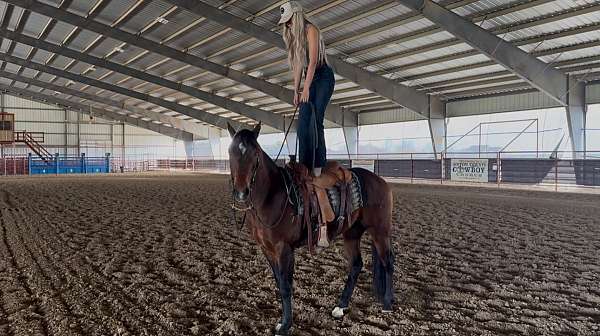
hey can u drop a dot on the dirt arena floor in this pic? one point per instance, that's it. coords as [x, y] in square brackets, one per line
[156, 255]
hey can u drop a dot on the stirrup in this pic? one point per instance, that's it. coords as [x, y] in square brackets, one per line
[323, 240]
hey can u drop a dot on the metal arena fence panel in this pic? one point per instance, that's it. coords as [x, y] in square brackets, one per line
[558, 169]
[524, 168]
[68, 165]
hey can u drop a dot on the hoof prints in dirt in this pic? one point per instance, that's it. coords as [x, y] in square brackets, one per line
[157, 256]
[6, 200]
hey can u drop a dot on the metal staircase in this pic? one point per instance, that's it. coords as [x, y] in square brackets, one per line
[34, 141]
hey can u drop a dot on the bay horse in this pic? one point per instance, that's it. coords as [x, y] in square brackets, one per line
[259, 190]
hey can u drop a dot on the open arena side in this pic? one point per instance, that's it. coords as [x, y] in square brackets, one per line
[156, 255]
[135, 134]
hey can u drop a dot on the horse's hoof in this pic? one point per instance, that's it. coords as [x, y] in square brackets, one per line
[282, 333]
[338, 312]
[279, 331]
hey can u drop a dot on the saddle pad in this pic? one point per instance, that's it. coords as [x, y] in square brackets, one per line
[334, 195]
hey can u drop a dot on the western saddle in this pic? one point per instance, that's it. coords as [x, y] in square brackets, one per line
[316, 205]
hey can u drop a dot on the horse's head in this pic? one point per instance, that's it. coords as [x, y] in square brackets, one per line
[244, 155]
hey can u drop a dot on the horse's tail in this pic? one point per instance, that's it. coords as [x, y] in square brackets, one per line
[378, 274]
[379, 271]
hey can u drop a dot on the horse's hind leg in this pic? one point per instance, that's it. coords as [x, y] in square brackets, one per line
[383, 270]
[355, 264]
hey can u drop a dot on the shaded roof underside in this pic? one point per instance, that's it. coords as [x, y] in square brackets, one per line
[383, 37]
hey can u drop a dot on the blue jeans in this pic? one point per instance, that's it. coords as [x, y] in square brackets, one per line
[311, 133]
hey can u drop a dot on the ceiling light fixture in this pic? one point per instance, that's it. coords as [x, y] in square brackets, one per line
[162, 20]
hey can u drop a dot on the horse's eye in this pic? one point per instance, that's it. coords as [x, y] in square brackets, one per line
[242, 148]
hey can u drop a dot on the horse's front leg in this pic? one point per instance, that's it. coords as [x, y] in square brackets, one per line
[283, 269]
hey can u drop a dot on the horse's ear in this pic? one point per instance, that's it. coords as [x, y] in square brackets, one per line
[231, 130]
[256, 129]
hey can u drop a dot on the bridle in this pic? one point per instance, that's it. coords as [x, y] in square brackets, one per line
[249, 205]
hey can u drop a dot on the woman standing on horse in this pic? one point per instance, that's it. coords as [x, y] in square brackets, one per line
[306, 54]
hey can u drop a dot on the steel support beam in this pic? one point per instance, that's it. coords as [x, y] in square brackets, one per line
[406, 96]
[576, 117]
[540, 75]
[200, 131]
[268, 118]
[334, 113]
[88, 109]
[437, 126]
[187, 110]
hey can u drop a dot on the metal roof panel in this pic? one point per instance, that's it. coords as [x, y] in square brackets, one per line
[113, 10]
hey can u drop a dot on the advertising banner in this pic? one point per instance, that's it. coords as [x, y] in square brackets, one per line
[469, 170]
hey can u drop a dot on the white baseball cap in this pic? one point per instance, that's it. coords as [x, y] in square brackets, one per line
[288, 9]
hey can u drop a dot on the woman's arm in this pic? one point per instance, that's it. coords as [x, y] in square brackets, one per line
[313, 54]
[297, 79]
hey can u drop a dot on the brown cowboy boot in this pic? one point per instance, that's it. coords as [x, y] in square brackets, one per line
[323, 241]
[326, 215]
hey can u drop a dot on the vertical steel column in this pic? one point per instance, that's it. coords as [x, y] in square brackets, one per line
[56, 162]
[498, 169]
[537, 139]
[556, 173]
[78, 133]
[441, 168]
[351, 138]
[193, 155]
[83, 165]
[479, 154]
[123, 148]
[576, 115]
[2, 111]
[66, 128]
[412, 168]
[14, 172]
[437, 125]
[214, 138]
[112, 139]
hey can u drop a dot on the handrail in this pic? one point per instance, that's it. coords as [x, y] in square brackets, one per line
[34, 143]
[21, 136]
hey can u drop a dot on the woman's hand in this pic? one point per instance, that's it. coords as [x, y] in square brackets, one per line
[296, 99]
[305, 96]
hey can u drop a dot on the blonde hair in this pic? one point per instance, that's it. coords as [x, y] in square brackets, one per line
[296, 42]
